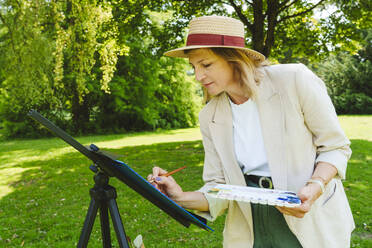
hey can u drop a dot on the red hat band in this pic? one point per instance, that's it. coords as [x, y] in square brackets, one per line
[214, 39]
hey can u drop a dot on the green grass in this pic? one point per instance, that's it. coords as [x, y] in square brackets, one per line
[44, 187]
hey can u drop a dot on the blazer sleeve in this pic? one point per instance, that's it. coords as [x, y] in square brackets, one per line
[320, 117]
[212, 174]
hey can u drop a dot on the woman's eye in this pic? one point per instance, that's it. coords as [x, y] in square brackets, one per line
[207, 65]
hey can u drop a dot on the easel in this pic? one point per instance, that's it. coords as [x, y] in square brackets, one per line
[103, 198]
[103, 195]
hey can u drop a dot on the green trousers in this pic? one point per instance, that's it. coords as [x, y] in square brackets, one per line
[270, 228]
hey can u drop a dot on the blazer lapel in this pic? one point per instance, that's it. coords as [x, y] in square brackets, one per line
[222, 135]
[271, 115]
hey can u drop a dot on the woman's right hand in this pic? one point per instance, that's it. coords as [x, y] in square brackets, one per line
[167, 185]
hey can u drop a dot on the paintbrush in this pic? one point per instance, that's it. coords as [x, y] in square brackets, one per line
[169, 173]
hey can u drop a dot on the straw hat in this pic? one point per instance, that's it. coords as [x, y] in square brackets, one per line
[215, 31]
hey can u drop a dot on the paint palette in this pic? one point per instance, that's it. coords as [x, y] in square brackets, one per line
[255, 195]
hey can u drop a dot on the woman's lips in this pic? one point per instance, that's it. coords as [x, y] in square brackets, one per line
[206, 85]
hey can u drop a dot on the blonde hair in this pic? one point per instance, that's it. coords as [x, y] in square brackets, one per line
[248, 71]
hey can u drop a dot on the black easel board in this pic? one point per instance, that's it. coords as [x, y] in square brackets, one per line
[126, 174]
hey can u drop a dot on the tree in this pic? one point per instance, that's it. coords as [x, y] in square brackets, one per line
[85, 35]
[27, 67]
[50, 49]
[279, 29]
[63, 54]
[348, 78]
[148, 91]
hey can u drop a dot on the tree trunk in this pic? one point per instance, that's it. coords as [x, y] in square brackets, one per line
[258, 27]
[272, 14]
[80, 114]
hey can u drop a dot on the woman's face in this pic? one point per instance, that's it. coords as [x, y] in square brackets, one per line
[212, 71]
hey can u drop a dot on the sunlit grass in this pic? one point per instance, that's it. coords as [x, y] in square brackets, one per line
[7, 177]
[190, 134]
[357, 127]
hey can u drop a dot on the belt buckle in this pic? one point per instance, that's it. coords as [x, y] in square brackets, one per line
[265, 180]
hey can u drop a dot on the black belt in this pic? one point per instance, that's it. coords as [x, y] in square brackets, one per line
[261, 181]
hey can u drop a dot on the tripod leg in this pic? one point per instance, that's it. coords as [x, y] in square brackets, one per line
[88, 224]
[105, 225]
[118, 224]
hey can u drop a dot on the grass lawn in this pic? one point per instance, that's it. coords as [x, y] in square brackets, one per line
[44, 187]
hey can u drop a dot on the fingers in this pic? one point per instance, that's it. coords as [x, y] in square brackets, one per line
[283, 210]
[157, 171]
[166, 181]
[152, 181]
[149, 177]
[289, 211]
[307, 194]
[165, 184]
[298, 212]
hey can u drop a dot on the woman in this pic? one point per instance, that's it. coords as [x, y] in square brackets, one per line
[265, 126]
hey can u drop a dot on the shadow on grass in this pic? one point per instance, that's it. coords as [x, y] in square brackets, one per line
[48, 202]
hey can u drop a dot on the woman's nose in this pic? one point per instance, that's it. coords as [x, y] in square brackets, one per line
[199, 74]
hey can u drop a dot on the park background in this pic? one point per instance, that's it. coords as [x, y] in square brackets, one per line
[96, 69]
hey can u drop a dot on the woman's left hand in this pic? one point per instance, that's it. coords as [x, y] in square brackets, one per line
[307, 194]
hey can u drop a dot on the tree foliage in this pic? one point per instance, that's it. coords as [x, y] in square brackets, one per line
[85, 37]
[24, 44]
[149, 91]
[161, 97]
[66, 61]
[50, 48]
[285, 30]
[92, 65]
[348, 79]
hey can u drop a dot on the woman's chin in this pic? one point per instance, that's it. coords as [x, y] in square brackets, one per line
[214, 92]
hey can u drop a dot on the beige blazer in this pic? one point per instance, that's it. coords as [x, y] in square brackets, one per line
[299, 128]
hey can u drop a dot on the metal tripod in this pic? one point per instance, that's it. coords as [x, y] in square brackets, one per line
[103, 198]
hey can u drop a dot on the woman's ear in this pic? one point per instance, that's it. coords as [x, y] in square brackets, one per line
[236, 70]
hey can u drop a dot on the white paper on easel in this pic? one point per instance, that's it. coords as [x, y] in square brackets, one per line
[255, 195]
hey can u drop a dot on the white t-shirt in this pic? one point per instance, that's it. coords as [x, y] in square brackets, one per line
[248, 141]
